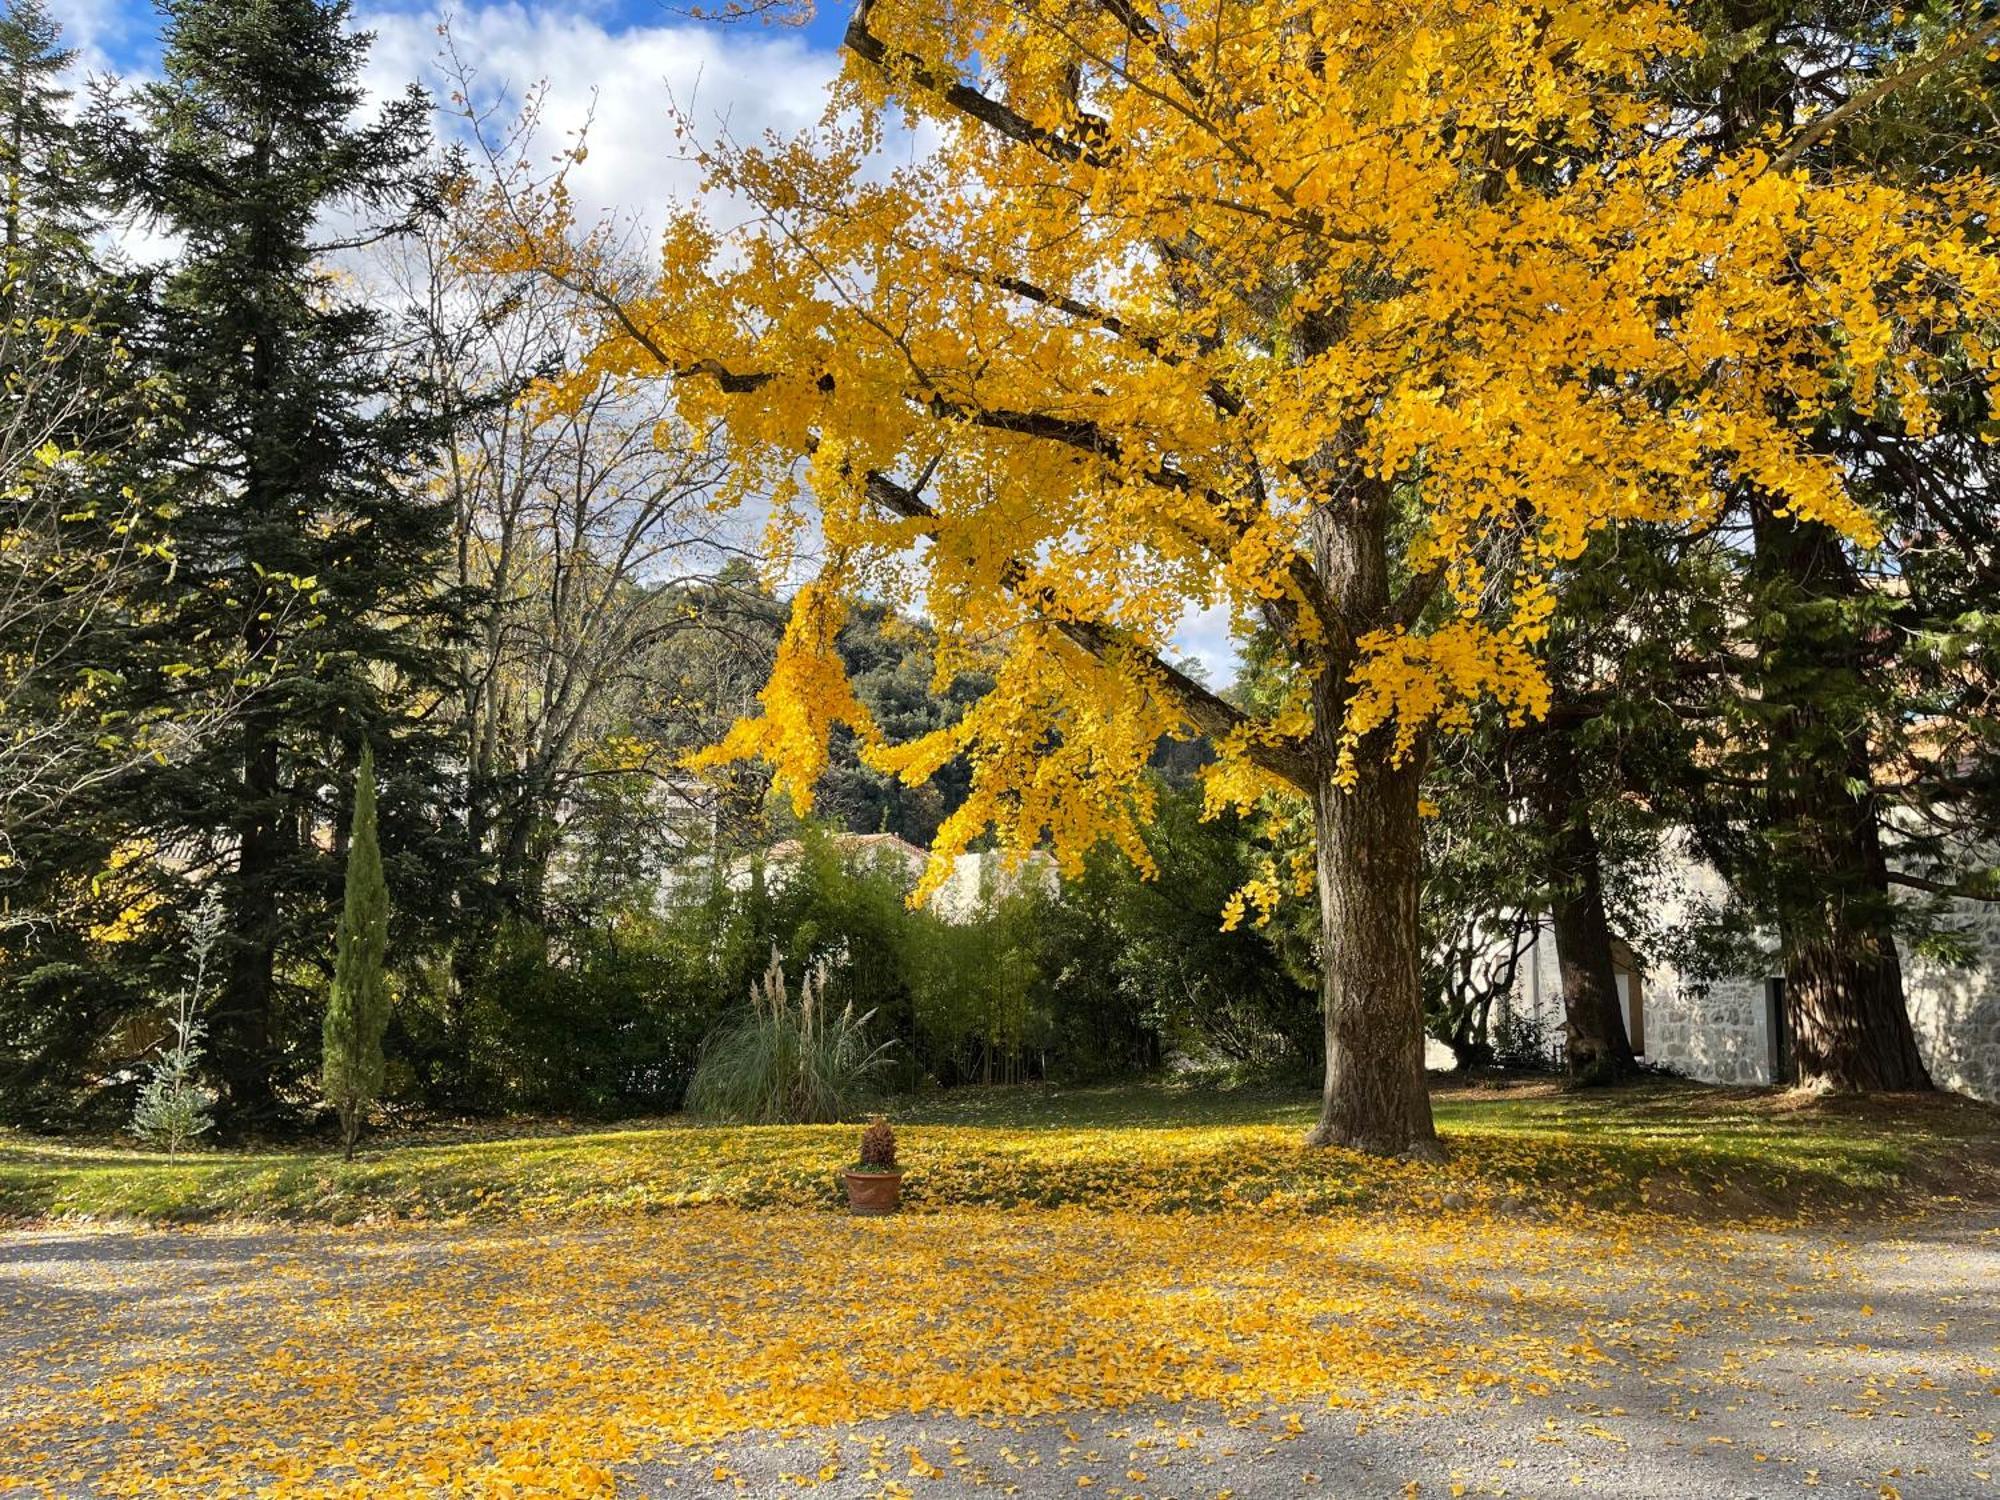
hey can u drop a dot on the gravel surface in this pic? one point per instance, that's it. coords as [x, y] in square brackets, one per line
[1878, 1377]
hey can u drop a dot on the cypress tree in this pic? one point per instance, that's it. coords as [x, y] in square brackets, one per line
[301, 525]
[357, 1007]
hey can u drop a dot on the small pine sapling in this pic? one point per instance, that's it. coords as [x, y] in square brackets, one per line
[173, 1105]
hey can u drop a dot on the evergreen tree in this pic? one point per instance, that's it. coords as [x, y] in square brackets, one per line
[357, 1006]
[1841, 737]
[40, 171]
[301, 430]
[173, 1106]
[99, 682]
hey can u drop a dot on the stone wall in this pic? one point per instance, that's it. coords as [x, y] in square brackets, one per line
[1956, 1012]
[1719, 1032]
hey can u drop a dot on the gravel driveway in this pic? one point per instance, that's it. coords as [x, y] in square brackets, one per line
[1859, 1363]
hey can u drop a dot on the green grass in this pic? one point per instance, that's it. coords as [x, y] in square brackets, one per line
[1659, 1147]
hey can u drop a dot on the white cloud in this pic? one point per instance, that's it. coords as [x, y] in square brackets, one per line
[624, 82]
[97, 30]
[1204, 635]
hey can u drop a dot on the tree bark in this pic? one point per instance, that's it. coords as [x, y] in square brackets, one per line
[1368, 853]
[1844, 1000]
[1368, 847]
[1844, 1004]
[1596, 1046]
[241, 1021]
[1829, 879]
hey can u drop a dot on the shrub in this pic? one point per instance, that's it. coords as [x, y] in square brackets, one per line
[604, 1021]
[787, 1062]
[1523, 1040]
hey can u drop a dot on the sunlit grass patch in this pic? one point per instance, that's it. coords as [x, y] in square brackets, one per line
[1146, 1149]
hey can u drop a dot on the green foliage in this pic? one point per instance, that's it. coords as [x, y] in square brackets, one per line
[985, 1004]
[600, 1021]
[1144, 966]
[788, 1062]
[46, 212]
[297, 530]
[1523, 1042]
[357, 1005]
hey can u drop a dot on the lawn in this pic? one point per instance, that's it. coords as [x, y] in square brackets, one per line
[1663, 1147]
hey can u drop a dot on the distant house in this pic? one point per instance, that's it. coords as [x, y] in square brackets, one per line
[975, 882]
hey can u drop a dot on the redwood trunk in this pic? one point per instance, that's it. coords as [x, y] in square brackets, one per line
[1844, 999]
[1368, 848]
[1844, 1004]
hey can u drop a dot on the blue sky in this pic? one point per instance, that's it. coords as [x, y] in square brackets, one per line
[122, 36]
[619, 63]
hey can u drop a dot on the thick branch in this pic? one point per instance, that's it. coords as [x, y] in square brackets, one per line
[1211, 714]
[1816, 129]
[967, 100]
[1945, 888]
[1416, 597]
[1143, 30]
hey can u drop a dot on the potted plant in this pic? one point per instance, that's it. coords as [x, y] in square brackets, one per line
[875, 1183]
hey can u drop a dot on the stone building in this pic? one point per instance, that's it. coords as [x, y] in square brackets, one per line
[1732, 1030]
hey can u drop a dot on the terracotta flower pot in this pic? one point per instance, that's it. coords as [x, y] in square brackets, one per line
[873, 1192]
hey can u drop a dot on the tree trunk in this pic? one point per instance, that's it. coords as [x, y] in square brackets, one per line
[1368, 843]
[1844, 999]
[1368, 851]
[1595, 1044]
[241, 1021]
[1850, 1027]
[1829, 879]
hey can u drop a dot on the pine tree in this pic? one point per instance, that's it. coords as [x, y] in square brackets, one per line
[302, 527]
[43, 189]
[357, 1006]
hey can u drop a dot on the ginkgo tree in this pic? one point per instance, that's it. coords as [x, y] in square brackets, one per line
[1358, 316]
